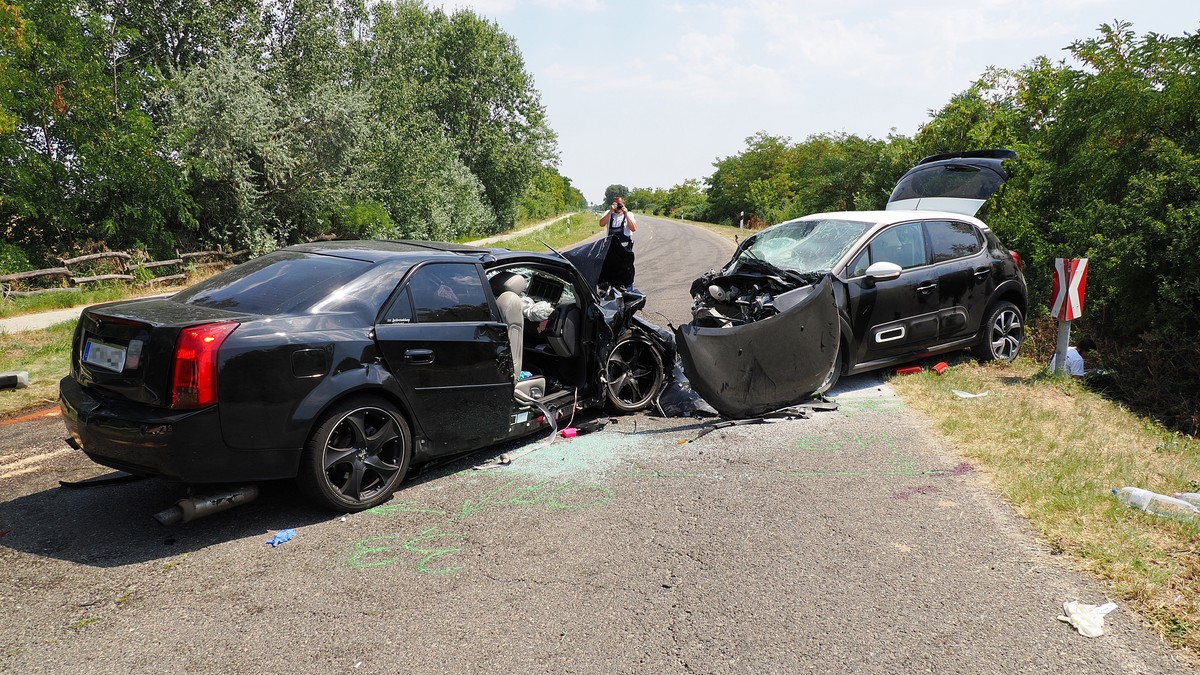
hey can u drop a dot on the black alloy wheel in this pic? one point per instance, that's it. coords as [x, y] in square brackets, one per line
[357, 455]
[633, 374]
[1002, 334]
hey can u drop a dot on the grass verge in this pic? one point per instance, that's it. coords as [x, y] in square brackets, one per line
[75, 297]
[1054, 450]
[561, 234]
[45, 355]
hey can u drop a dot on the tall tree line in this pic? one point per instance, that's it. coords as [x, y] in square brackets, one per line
[163, 124]
[1107, 168]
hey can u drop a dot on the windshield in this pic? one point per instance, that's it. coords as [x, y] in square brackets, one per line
[802, 245]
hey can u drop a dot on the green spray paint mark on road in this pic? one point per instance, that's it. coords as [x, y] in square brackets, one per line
[856, 442]
[432, 544]
[590, 455]
[825, 474]
[851, 407]
[569, 496]
[404, 507]
[376, 551]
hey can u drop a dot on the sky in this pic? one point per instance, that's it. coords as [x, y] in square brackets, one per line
[650, 94]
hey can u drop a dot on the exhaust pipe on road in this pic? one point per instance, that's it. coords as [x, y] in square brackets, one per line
[198, 506]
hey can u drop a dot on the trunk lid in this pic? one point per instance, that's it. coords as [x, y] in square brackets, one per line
[957, 182]
[126, 349]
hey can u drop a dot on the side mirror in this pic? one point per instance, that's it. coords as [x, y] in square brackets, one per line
[883, 271]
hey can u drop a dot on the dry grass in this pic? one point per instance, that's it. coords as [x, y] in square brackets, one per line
[1055, 449]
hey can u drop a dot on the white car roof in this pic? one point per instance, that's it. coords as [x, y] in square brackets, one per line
[890, 217]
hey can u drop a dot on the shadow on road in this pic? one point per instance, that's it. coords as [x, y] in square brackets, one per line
[113, 525]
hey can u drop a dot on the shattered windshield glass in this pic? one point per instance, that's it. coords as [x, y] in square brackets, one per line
[804, 245]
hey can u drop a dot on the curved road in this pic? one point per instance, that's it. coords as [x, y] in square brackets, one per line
[854, 541]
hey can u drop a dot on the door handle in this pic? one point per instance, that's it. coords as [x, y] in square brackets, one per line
[926, 288]
[419, 356]
[982, 272]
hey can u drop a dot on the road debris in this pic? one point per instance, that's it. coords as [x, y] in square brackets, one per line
[1087, 619]
[281, 537]
[14, 380]
[198, 506]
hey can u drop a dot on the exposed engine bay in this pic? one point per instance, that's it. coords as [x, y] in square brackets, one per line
[721, 301]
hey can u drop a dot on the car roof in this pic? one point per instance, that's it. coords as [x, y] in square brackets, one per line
[883, 218]
[380, 250]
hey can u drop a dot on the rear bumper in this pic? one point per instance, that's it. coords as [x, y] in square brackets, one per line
[181, 445]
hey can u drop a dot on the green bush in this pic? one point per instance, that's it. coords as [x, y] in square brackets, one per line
[13, 259]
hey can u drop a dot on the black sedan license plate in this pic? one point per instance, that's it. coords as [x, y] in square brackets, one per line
[109, 357]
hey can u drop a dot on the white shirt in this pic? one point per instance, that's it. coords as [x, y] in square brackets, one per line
[1074, 362]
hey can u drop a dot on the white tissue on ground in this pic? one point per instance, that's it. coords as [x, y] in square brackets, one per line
[1087, 619]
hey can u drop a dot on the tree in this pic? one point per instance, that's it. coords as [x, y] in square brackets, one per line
[84, 161]
[613, 191]
[490, 109]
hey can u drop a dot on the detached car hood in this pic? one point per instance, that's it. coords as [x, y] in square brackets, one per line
[766, 363]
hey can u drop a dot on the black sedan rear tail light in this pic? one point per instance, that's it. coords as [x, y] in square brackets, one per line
[194, 367]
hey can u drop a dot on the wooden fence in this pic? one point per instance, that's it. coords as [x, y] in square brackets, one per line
[74, 272]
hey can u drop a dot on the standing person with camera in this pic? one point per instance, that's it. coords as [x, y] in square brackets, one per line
[620, 226]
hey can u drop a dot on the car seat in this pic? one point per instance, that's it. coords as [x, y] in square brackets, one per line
[508, 288]
[562, 330]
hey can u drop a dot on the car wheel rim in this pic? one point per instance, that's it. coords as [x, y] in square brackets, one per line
[363, 454]
[633, 373]
[1007, 332]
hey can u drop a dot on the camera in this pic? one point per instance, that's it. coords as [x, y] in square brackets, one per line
[618, 207]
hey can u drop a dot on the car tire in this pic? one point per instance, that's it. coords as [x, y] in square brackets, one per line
[1001, 334]
[356, 456]
[835, 373]
[633, 374]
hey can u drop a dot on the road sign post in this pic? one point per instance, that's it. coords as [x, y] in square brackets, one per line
[1066, 303]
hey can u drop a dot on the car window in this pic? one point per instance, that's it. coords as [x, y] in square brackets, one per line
[861, 262]
[401, 309]
[281, 282]
[949, 240]
[446, 292]
[542, 285]
[903, 244]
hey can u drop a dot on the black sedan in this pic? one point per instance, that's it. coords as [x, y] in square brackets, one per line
[809, 300]
[343, 364]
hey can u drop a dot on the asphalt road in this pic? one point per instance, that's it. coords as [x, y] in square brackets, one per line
[854, 541]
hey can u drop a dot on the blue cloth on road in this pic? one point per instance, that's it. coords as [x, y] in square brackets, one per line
[282, 536]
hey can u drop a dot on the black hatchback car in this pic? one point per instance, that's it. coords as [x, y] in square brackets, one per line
[809, 300]
[342, 364]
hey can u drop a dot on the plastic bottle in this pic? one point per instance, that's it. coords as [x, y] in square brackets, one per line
[1192, 498]
[1155, 503]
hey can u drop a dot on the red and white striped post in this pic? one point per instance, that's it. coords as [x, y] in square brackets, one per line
[1066, 303]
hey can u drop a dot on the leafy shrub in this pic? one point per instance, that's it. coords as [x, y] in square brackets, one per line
[13, 259]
